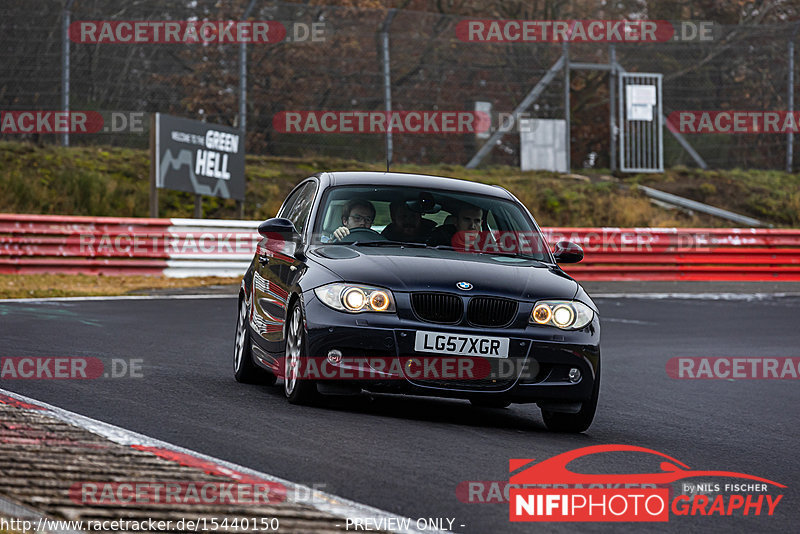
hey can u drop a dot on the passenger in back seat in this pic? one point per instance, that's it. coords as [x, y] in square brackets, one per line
[407, 225]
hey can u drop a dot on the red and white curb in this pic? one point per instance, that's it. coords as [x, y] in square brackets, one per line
[296, 493]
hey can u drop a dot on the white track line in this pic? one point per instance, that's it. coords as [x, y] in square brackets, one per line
[694, 296]
[125, 297]
[645, 296]
[320, 500]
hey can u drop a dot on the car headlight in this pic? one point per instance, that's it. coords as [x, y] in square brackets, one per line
[355, 298]
[564, 314]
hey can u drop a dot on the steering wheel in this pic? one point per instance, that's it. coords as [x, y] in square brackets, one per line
[362, 234]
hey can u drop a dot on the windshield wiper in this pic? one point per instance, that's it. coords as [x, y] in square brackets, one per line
[389, 244]
[513, 255]
[488, 253]
[410, 244]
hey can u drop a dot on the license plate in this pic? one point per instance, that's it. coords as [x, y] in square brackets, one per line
[463, 345]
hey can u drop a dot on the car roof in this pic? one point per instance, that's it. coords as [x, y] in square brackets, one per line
[412, 180]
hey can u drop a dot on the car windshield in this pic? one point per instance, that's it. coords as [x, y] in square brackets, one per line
[393, 216]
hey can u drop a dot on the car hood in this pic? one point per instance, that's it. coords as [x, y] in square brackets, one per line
[414, 269]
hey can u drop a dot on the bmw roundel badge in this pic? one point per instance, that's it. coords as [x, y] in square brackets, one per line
[464, 286]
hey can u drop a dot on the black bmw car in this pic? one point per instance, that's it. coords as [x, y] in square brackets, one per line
[418, 285]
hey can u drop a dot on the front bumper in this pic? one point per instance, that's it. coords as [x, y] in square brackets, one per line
[536, 369]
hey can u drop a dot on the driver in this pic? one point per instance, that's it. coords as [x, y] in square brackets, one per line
[357, 213]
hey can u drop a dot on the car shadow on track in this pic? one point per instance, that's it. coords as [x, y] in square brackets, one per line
[426, 409]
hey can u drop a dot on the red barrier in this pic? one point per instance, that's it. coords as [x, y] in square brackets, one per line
[686, 238]
[719, 273]
[37, 244]
[82, 266]
[110, 245]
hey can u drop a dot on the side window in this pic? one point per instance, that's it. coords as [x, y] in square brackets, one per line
[298, 207]
[491, 222]
[288, 203]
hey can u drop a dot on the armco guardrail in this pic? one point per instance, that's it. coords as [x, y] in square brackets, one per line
[724, 254]
[204, 247]
[116, 246]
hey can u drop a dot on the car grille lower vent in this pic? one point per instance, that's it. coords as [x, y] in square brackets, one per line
[437, 307]
[491, 312]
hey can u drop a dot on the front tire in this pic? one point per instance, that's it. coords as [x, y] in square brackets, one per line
[297, 390]
[244, 368]
[575, 422]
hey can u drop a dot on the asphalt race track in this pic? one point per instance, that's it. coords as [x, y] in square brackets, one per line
[408, 455]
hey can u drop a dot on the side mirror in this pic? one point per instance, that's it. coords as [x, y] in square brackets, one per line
[279, 229]
[567, 252]
[282, 237]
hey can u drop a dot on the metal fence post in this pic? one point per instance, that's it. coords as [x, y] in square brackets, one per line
[612, 107]
[242, 99]
[790, 100]
[243, 76]
[154, 136]
[65, 20]
[387, 83]
[567, 105]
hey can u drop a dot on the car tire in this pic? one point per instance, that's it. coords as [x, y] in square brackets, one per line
[297, 390]
[490, 403]
[244, 368]
[575, 422]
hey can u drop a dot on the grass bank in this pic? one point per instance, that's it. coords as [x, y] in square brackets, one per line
[16, 286]
[113, 181]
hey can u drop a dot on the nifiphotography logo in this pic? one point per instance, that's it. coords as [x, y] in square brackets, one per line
[548, 491]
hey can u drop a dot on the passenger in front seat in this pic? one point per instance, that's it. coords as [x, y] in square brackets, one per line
[468, 219]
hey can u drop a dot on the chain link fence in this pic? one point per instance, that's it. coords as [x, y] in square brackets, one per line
[333, 58]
